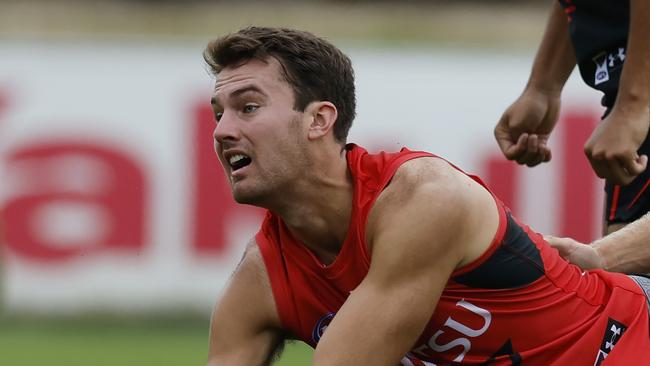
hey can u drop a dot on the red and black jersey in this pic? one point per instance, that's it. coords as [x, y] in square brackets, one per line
[599, 32]
[519, 303]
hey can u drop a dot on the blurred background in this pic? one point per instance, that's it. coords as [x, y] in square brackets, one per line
[117, 230]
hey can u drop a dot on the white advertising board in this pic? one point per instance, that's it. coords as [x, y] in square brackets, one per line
[112, 198]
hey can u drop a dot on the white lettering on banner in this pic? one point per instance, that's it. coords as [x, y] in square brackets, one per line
[164, 223]
[112, 184]
[463, 329]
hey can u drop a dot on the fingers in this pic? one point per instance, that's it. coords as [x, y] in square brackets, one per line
[583, 255]
[506, 138]
[533, 151]
[636, 165]
[618, 169]
[612, 170]
[564, 245]
[529, 150]
[524, 148]
[516, 150]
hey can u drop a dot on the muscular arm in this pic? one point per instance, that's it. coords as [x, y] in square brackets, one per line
[555, 57]
[422, 227]
[635, 80]
[525, 127]
[612, 148]
[244, 330]
[626, 250]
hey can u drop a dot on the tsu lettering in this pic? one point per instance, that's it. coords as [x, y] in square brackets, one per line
[452, 324]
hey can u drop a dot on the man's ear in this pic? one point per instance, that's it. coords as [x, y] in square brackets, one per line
[323, 116]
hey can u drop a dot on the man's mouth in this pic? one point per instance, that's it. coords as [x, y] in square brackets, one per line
[239, 161]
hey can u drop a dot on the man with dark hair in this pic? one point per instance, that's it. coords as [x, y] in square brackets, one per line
[608, 39]
[389, 258]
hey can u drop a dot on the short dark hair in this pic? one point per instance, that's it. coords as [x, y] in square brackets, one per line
[314, 68]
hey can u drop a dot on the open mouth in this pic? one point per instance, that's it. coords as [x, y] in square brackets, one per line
[239, 161]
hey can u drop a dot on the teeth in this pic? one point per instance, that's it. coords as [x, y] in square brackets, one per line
[235, 158]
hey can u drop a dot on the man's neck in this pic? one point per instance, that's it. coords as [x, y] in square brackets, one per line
[319, 213]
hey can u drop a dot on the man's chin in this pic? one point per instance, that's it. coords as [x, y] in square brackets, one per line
[245, 197]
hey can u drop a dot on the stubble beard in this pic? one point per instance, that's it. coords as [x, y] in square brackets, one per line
[271, 185]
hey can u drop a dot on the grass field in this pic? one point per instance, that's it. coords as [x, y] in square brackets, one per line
[104, 343]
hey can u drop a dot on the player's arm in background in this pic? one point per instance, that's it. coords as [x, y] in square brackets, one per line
[612, 147]
[430, 220]
[525, 127]
[626, 250]
[245, 327]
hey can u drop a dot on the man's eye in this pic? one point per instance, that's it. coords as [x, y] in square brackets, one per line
[218, 116]
[250, 108]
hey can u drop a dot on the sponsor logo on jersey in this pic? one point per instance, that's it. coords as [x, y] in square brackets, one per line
[321, 326]
[613, 333]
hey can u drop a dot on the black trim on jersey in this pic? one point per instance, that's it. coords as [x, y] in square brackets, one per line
[505, 350]
[515, 263]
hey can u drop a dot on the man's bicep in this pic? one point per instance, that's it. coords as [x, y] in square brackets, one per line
[411, 262]
[384, 316]
[245, 329]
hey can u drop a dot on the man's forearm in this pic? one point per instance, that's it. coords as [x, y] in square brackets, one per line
[555, 57]
[634, 87]
[627, 250]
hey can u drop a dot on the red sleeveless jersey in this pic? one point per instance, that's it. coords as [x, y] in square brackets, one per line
[519, 303]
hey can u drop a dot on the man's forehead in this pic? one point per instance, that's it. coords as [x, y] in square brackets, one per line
[253, 68]
[254, 75]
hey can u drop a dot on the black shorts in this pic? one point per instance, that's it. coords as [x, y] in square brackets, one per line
[625, 204]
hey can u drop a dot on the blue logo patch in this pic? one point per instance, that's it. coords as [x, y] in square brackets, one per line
[321, 325]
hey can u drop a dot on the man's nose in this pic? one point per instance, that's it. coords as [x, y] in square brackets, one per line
[226, 129]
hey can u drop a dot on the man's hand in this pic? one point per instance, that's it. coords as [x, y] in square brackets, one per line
[612, 147]
[525, 127]
[584, 256]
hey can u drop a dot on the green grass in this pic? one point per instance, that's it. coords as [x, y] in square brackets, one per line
[104, 343]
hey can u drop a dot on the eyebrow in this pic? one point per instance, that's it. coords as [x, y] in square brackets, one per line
[240, 91]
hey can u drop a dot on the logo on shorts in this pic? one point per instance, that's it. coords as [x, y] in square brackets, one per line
[602, 73]
[613, 333]
[607, 61]
[321, 326]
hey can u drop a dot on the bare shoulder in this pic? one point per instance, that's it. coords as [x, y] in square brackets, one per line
[252, 263]
[250, 281]
[424, 178]
[431, 197]
[427, 169]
